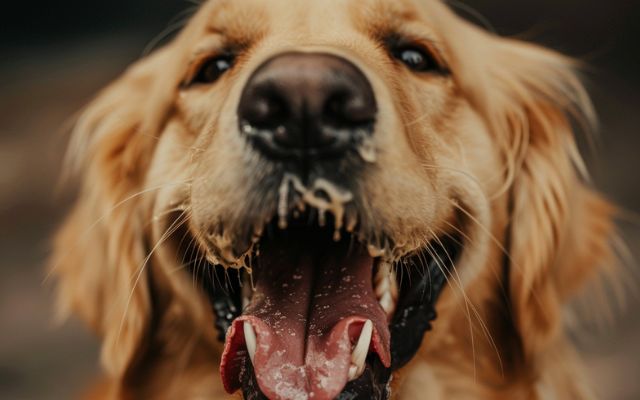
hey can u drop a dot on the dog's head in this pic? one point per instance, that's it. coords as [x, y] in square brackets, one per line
[323, 170]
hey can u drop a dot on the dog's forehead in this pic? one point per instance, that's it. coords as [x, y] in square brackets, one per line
[309, 17]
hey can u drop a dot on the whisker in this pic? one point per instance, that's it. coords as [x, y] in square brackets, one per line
[483, 325]
[174, 226]
[176, 23]
[472, 12]
[192, 148]
[484, 229]
[458, 283]
[504, 251]
[465, 174]
[85, 235]
[467, 238]
[166, 212]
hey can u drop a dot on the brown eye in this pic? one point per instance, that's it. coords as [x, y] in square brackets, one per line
[213, 69]
[416, 59]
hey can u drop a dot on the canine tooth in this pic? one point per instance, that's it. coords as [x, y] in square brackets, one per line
[250, 339]
[360, 351]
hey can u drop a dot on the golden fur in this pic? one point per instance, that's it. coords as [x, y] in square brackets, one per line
[493, 142]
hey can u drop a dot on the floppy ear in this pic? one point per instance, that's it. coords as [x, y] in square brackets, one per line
[99, 253]
[560, 230]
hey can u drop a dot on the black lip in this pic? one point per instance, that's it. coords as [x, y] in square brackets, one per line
[421, 282]
[419, 294]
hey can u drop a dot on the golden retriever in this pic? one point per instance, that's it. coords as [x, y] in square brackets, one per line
[319, 199]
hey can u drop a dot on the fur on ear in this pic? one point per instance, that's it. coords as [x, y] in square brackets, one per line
[560, 229]
[99, 253]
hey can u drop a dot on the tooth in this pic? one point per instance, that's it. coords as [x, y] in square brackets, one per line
[247, 290]
[387, 304]
[360, 351]
[250, 339]
[375, 251]
[386, 288]
[382, 287]
[353, 373]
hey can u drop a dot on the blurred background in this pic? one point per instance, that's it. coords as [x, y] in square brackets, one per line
[56, 55]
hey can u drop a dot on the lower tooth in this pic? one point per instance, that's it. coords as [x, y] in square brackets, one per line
[250, 340]
[360, 351]
[353, 373]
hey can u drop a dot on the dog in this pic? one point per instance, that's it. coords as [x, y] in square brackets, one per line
[367, 199]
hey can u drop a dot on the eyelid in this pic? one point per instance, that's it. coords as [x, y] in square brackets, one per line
[432, 47]
[434, 50]
[199, 61]
[214, 46]
[211, 46]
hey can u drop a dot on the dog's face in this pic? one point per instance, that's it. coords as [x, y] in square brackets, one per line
[326, 169]
[329, 155]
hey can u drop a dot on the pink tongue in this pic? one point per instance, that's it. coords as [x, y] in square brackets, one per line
[307, 312]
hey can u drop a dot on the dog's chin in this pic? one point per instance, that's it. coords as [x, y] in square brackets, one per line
[320, 315]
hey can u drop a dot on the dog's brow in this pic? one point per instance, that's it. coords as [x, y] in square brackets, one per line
[225, 39]
[225, 20]
[382, 19]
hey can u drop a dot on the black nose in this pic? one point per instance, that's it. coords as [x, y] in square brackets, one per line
[307, 105]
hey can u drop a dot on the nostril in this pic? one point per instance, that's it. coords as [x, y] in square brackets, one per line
[335, 110]
[265, 112]
[348, 110]
[360, 111]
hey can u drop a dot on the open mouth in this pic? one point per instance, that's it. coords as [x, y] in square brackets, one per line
[317, 316]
